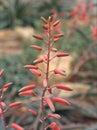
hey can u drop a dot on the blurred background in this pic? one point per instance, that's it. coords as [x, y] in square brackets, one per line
[19, 20]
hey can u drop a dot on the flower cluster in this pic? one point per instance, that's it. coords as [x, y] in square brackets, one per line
[49, 37]
[4, 107]
[80, 11]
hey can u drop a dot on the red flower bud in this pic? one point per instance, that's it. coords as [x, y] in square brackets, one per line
[36, 47]
[62, 54]
[37, 61]
[16, 127]
[31, 67]
[54, 49]
[26, 93]
[54, 126]
[4, 90]
[50, 90]
[3, 104]
[61, 101]
[36, 72]
[50, 19]
[54, 115]
[7, 85]
[61, 72]
[56, 39]
[14, 104]
[1, 112]
[45, 27]
[58, 35]
[38, 37]
[50, 104]
[1, 72]
[63, 87]
[90, 6]
[56, 23]
[28, 87]
[33, 112]
[44, 20]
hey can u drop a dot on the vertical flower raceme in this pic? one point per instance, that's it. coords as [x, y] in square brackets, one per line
[52, 33]
[4, 107]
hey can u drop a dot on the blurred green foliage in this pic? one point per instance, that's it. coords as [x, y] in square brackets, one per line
[17, 12]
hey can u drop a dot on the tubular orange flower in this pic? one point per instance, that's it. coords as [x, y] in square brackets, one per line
[58, 35]
[38, 37]
[33, 112]
[26, 93]
[50, 19]
[1, 72]
[54, 115]
[3, 104]
[16, 127]
[31, 67]
[36, 72]
[14, 104]
[56, 39]
[61, 101]
[1, 112]
[63, 87]
[7, 85]
[54, 49]
[36, 47]
[56, 23]
[37, 61]
[28, 87]
[62, 54]
[61, 72]
[44, 20]
[54, 126]
[50, 104]
[4, 90]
